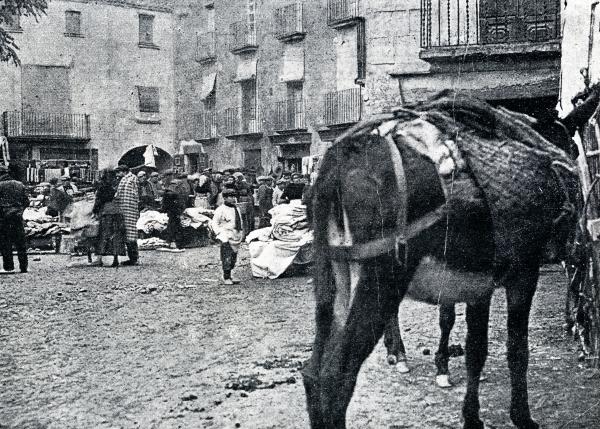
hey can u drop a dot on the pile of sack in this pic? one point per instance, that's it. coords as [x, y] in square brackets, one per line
[196, 217]
[39, 224]
[288, 240]
[152, 222]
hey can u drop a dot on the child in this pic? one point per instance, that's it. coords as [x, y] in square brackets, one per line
[227, 226]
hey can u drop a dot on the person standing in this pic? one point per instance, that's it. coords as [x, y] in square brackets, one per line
[173, 204]
[13, 201]
[112, 238]
[127, 197]
[227, 226]
[265, 201]
[58, 199]
[278, 192]
[157, 187]
[147, 196]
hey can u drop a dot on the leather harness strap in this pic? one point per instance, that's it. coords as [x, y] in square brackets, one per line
[397, 239]
[389, 242]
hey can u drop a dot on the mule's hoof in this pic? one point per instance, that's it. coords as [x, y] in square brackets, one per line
[392, 359]
[529, 425]
[402, 368]
[443, 381]
[474, 424]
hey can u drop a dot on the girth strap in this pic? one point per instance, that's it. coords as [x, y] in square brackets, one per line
[391, 241]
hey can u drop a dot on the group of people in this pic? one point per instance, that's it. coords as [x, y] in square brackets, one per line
[121, 195]
[228, 219]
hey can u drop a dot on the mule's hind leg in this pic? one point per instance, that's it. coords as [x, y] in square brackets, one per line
[392, 339]
[476, 354]
[442, 356]
[519, 295]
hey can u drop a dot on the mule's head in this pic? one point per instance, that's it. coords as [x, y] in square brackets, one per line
[355, 201]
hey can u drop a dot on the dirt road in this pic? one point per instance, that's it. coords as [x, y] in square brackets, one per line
[165, 345]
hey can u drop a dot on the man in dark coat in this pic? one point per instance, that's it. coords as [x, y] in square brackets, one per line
[265, 201]
[173, 204]
[13, 201]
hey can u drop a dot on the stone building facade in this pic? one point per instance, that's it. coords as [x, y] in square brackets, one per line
[95, 85]
[268, 84]
[507, 52]
[271, 83]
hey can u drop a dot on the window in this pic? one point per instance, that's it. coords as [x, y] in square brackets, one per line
[361, 51]
[146, 30]
[249, 116]
[295, 106]
[72, 23]
[148, 99]
[251, 15]
[15, 25]
[210, 102]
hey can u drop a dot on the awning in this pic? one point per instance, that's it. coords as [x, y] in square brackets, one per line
[293, 64]
[208, 85]
[187, 147]
[246, 69]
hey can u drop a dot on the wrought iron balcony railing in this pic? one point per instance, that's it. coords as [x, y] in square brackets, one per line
[206, 47]
[446, 23]
[342, 12]
[243, 37]
[43, 125]
[289, 22]
[288, 115]
[242, 120]
[206, 125]
[343, 107]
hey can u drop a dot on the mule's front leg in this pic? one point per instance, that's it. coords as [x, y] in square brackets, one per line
[476, 354]
[442, 356]
[519, 296]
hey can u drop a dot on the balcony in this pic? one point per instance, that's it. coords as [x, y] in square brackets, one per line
[206, 126]
[206, 47]
[343, 107]
[46, 126]
[288, 115]
[289, 23]
[489, 27]
[342, 13]
[243, 37]
[242, 121]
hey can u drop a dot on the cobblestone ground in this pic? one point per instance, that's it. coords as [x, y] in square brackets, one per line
[165, 345]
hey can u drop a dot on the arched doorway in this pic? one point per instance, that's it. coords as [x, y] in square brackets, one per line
[135, 158]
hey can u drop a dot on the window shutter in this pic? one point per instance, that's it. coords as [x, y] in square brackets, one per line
[146, 28]
[72, 22]
[148, 99]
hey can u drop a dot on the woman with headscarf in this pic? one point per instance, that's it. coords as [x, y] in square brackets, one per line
[112, 236]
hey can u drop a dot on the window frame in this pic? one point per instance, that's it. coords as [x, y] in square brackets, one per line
[143, 105]
[143, 42]
[68, 33]
[15, 27]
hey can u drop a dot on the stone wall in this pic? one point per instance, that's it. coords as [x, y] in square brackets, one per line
[105, 67]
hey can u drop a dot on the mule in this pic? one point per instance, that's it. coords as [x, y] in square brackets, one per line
[381, 233]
